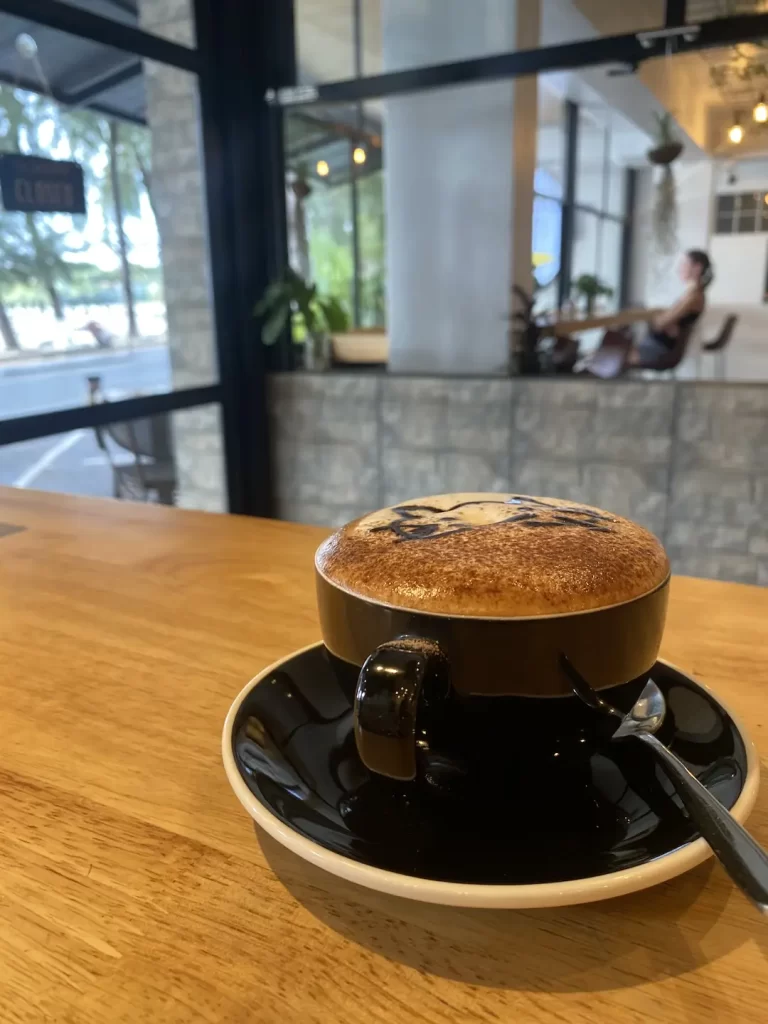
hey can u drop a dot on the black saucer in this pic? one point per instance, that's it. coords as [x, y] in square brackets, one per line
[609, 810]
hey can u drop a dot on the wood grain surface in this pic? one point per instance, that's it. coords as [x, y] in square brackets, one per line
[588, 322]
[132, 885]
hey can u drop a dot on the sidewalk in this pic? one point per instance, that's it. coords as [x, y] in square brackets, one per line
[81, 357]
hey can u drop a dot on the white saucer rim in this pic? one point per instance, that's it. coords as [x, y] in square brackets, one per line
[459, 894]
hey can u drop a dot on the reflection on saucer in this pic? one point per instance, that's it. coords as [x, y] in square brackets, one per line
[503, 816]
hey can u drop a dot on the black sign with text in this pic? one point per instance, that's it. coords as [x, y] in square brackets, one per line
[34, 184]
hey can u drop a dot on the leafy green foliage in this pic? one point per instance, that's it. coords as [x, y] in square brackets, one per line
[34, 247]
[329, 229]
[591, 286]
[89, 138]
[665, 129]
[292, 297]
[336, 316]
[31, 248]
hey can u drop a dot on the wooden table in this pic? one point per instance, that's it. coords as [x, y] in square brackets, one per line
[132, 886]
[371, 345]
[619, 318]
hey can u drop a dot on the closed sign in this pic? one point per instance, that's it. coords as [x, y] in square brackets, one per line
[34, 184]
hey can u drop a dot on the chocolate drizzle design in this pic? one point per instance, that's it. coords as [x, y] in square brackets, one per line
[410, 523]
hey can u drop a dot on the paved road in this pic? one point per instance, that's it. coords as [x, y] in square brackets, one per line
[72, 462]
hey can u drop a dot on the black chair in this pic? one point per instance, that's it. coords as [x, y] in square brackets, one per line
[668, 361]
[718, 344]
[613, 357]
[610, 359]
[151, 476]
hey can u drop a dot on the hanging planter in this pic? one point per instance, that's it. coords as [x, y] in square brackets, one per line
[663, 155]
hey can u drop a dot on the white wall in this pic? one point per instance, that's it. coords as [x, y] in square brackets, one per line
[739, 262]
[749, 175]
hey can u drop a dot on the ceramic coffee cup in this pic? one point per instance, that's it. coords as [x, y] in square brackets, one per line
[446, 602]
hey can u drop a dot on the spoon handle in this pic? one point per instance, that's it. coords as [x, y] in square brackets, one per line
[734, 847]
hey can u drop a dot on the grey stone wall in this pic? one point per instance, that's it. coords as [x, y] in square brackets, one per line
[687, 460]
[177, 196]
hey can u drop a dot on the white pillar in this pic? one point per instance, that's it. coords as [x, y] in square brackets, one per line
[459, 186]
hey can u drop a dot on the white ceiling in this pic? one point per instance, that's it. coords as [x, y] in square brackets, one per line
[682, 83]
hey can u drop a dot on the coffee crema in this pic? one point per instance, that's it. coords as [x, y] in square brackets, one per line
[494, 556]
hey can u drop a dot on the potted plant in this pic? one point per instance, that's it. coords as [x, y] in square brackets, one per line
[667, 149]
[314, 317]
[525, 334]
[668, 146]
[589, 287]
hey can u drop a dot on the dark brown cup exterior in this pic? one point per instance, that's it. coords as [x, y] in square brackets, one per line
[502, 674]
[506, 657]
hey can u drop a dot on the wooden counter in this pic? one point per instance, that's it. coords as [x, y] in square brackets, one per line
[133, 888]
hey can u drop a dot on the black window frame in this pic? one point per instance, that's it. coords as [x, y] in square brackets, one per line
[571, 207]
[241, 172]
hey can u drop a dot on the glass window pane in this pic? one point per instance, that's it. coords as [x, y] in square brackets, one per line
[550, 143]
[547, 227]
[474, 28]
[373, 266]
[329, 240]
[172, 459]
[725, 204]
[401, 34]
[609, 267]
[617, 176]
[398, 34]
[437, 194]
[324, 148]
[590, 161]
[724, 223]
[125, 286]
[174, 21]
[325, 33]
[746, 216]
[586, 232]
[617, 190]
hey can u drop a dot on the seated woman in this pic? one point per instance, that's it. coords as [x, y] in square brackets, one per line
[666, 327]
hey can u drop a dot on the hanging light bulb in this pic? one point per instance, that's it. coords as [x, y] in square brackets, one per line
[359, 155]
[760, 110]
[735, 132]
[322, 168]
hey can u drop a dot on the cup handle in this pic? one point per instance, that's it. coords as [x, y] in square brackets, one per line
[395, 680]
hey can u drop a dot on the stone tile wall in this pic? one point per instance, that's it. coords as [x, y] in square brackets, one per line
[687, 460]
[177, 199]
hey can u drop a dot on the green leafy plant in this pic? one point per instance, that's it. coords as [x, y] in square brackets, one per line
[292, 297]
[665, 129]
[667, 149]
[590, 287]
